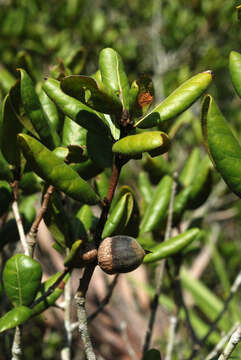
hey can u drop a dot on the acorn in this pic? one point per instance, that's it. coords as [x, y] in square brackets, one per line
[119, 254]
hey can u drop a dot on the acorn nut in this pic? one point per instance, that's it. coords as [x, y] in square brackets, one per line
[119, 254]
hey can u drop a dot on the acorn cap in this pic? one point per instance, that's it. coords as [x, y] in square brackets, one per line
[120, 254]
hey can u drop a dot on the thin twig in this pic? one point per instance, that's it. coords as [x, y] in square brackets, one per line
[233, 290]
[66, 351]
[51, 288]
[19, 223]
[105, 301]
[160, 271]
[171, 338]
[16, 347]
[233, 342]
[81, 312]
[221, 343]
[32, 236]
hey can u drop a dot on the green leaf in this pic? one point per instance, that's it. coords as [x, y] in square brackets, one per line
[76, 110]
[157, 209]
[10, 127]
[86, 90]
[183, 97]
[119, 216]
[7, 80]
[73, 134]
[156, 167]
[15, 317]
[189, 170]
[6, 196]
[152, 354]
[5, 172]
[58, 222]
[113, 75]
[54, 171]
[223, 148]
[35, 113]
[205, 299]
[83, 222]
[50, 110]
[87, 170]
[145, 188]
[172, 246]
[180, 203]
[51, 299]
[21, 278]
[235, 70]
[154, 142]
[101, 182]
[201, 185]
[100, 149]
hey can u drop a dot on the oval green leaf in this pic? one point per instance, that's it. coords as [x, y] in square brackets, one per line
[33, 109]
[15, 317]
[223, 148]
[54, 171]
[183, 97]
[133, 145]
[21, 278]
[119, 216]
[113, 75]
[76, 110]
[235, 70]
[85, 89]
[157, 209]
[172, 246]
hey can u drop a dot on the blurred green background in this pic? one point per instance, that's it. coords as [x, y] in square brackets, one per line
[168, 40]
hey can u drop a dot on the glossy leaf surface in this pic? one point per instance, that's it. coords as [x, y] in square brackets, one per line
[157, 209]
[235, 70]
[9, 129]
[172, 246]
[50, 110]
[57, 221]
[178, 101]
[224, 149]
[21, 278]
[73, 134]
[189, 170]
[76, 110]
[133, 145]
[48, 166]
[15, 317]
[86, 90]
[119, 216]
[113, 75]
[34, 111]
[5, 172]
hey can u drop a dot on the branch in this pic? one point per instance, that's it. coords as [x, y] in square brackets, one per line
[66, 351]
[221, 343]
[51, 288]
[234, 289]
[16, 347]
[19, 223]
[81, 312]
[32, 236]
[233, 342]
[171, 340]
